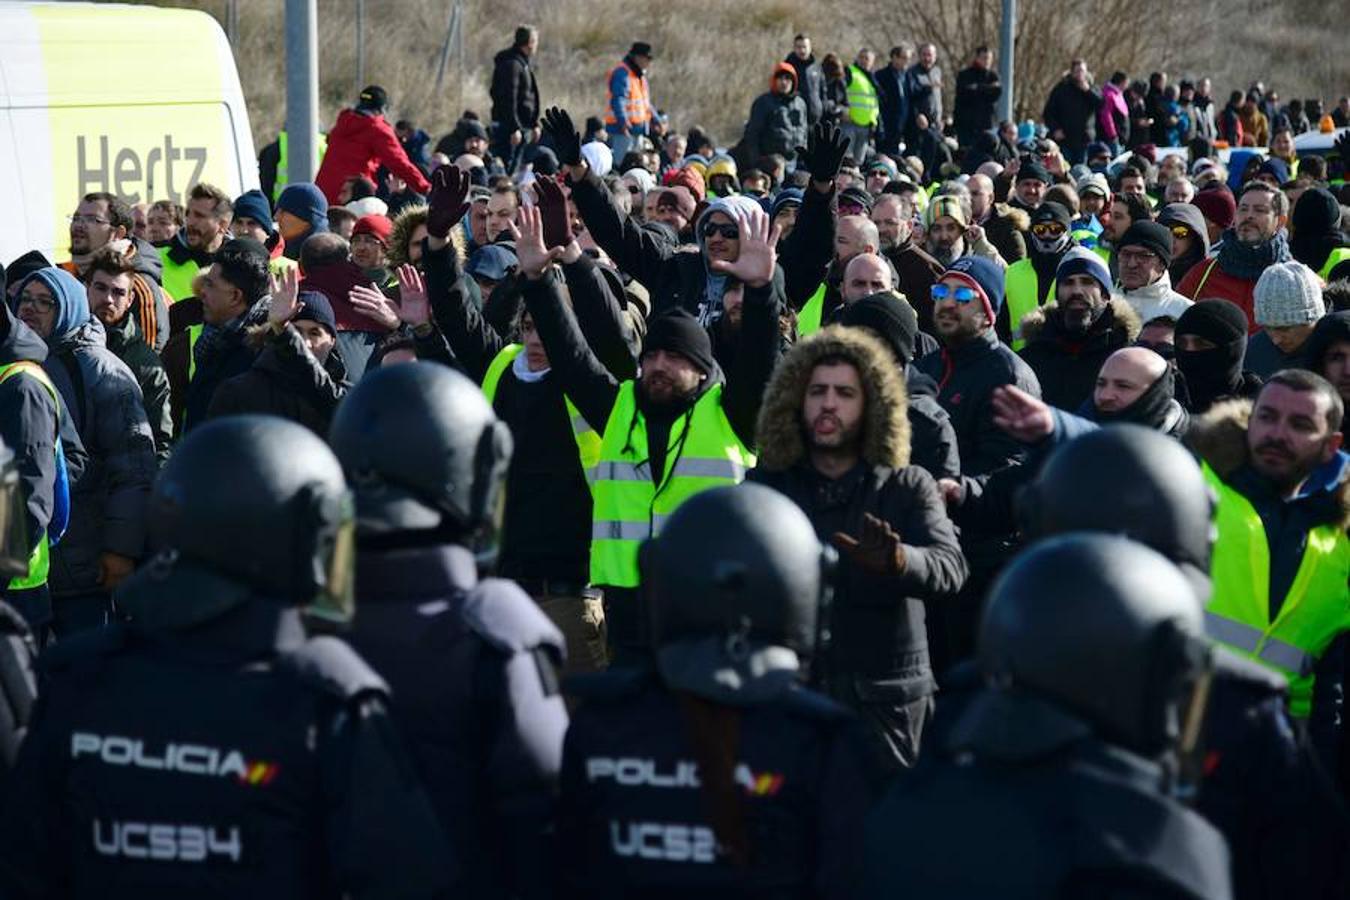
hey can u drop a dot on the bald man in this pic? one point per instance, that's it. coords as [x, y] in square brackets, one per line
[1004, 226]
[865, 274]
[853, 236]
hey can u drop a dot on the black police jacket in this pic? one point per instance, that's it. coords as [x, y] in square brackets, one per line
[233, 760]
[1024, 801]
[632, 818]
[471, 665]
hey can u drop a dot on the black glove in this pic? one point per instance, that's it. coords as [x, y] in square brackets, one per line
[449, 200]
[557, 124]
[553, 211]
[824, 152]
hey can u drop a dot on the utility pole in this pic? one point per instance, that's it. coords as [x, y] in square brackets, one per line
[302, 90]
[360, 46]
[1006, 59]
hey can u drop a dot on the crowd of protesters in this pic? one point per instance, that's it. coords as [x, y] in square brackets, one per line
[905, 319]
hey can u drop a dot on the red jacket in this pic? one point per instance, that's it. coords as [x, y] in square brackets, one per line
[358, 145]
[1207, 281]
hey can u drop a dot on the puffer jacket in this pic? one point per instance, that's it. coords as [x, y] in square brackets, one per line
[878, 656]
[358, 145]
[108, 504]
[778, 122]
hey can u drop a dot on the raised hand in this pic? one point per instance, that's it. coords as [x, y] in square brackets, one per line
[449, 200]
[754, 264]
[533, 256]
[413, 307]
[824, 152]
[285, 300]
[877, 550]
[369, 302]
[1024, 417]
[552, 206]
[557, 124]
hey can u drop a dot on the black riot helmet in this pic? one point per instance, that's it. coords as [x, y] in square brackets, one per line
[1129, 663]
[13, 523]
[1129, 480]
[247, 506]
[736, 583]
[424, 453]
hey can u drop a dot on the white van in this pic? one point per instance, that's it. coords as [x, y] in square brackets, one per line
[134, 100]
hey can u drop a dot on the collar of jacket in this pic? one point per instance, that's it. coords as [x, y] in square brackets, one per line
[414, 573]
[981, 344]
[1155, 291]
[181, 254]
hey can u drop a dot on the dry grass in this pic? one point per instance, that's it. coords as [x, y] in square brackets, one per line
[715, 57]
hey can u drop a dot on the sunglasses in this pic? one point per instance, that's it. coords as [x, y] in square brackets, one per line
[959, 294]
[730, 232]
[1181, 232]
[1048, 229]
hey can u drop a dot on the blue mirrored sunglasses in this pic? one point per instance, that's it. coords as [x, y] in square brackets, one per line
[959, 294]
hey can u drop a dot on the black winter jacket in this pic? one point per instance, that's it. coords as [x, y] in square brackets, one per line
[128, 344]
[515, 94]
[1066, 365]
[287, 381]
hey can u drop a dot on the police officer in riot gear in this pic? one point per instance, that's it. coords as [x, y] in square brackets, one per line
[716, 774]
[1260, 784]
[17, 649]
[207, 745]
[472, 663]
[1048, 783]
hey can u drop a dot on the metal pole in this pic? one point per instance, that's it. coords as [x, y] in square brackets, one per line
[360, 46]
[445, 48]
[232, 23]
[1006, 59]
[302, 89]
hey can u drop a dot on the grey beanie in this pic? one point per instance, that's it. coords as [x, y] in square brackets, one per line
[1288, 293]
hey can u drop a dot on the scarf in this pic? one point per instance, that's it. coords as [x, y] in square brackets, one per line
[521, 369]
[216, 339]
[1149, 408]
[1247, 262]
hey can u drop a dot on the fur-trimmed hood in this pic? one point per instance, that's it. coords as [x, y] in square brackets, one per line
[1019, 218]
[885, 440]
[1219, 437]
[1123, 316]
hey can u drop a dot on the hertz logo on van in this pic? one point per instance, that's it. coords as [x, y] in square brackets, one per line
[159, 171]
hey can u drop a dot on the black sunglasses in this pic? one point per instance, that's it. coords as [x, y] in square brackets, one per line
[730, 232]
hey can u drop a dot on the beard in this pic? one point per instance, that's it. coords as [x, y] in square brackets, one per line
[658, 395]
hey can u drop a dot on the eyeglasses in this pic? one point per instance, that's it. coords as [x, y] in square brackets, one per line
[1134, 257]
[730, 232]
[44, 304]
[1048, 229]
[86, 220]
[959, 294]
[1180, 232]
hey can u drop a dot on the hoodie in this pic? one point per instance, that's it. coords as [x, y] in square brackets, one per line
[359, 144]
[103, 399]
[1189, 215]
[777, 122]
[710, 308]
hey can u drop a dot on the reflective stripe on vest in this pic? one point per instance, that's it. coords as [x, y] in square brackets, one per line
[808, 320]
[194, 332]
[283, 166]
[1314, 612]
[637, 109]
[1334, 258]
[588, 440]
[39, 561]
[1021, 293]
[702, 452]
[177, 277]
[862, 98]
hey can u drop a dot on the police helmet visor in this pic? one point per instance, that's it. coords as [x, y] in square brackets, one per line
[13, 527]
[334, 604]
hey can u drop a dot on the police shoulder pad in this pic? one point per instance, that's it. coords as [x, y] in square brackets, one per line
[330, 665]
[810, 704]
[84, 650]
[1235, 669]
[507, 618]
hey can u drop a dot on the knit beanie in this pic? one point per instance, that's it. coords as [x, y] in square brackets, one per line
[945, 205]
[1050, 211]
[680, 198]
[544, 161]
[1032, 170]
[253, 205]
[598, 157]
[857, 196]
[1080, 261]
[305, 201]
[378, 226]
[785, 198]
[26, 265]
[887, 315]
[1277, 167]
[1315, 213]
[367, 206]
[984, 276]
[314, 306]
[690, 179]
[679, 332]
[1218, 205]
[1330, 329]
[1288, 293]
[1155, 238]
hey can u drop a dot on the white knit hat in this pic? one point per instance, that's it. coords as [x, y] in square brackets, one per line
[1288, 293]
